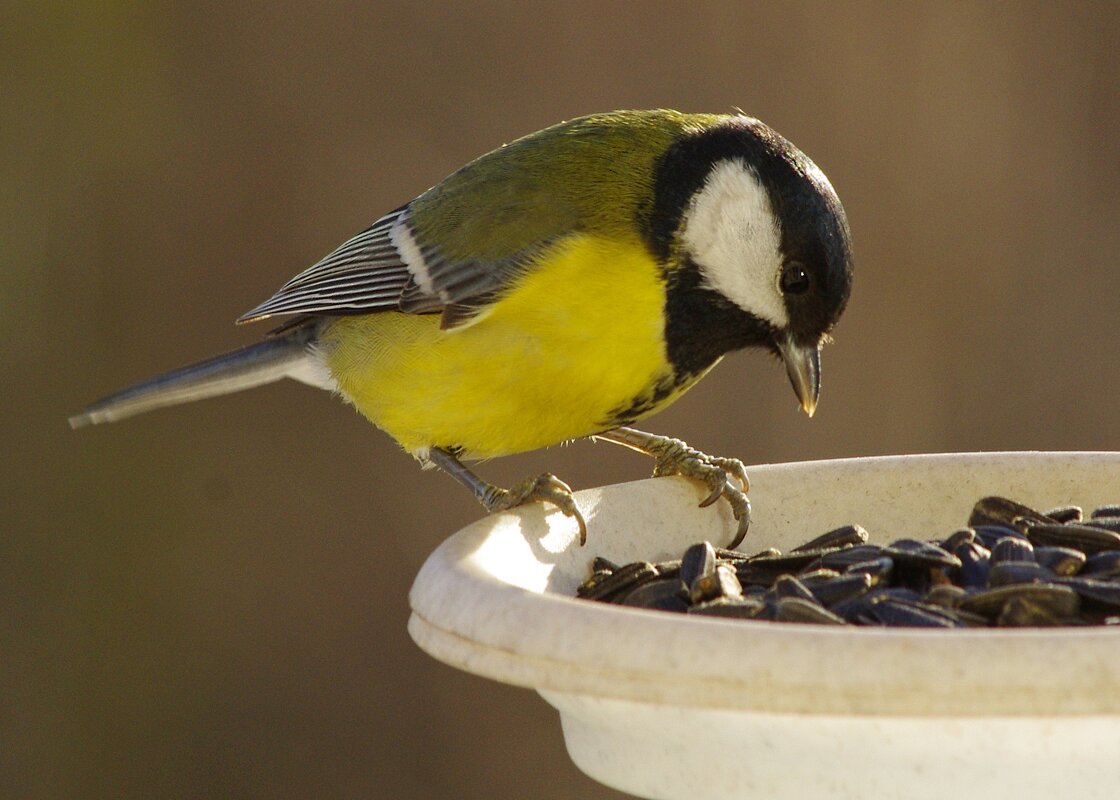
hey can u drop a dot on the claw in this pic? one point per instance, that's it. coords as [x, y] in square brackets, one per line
[718, 490]
[674, 457]
[545, 488]
[744, 523]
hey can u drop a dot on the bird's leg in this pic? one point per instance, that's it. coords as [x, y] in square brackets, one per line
[544, 489]
[674, 457]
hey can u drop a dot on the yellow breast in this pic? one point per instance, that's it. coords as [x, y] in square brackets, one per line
[579, 337]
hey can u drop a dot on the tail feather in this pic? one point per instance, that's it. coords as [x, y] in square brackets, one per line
[255, 365]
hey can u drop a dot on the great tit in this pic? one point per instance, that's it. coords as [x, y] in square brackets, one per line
[562, 286]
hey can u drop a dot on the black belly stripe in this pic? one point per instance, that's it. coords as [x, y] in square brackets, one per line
[643, 404]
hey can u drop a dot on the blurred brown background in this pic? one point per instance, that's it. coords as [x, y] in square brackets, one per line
[211, 601]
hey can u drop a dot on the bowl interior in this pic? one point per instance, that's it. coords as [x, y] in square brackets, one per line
[922, 497]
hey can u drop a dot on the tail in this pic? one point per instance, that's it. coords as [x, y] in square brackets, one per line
[284, 356]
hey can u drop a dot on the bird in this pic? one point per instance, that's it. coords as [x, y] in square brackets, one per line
[562, 286]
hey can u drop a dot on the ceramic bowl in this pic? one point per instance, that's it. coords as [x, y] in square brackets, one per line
[671, 706]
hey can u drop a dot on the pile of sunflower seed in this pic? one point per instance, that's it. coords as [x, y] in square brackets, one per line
[1011, 567]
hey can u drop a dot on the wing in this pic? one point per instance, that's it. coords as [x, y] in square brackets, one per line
[387, 267]
[461, 244]
[364, 274]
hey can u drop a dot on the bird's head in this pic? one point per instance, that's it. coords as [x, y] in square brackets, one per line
[758, 249]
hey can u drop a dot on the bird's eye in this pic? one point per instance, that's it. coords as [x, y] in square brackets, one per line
[794, 279]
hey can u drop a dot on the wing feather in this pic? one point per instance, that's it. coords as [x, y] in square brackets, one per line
[364, 274]
[385, 268]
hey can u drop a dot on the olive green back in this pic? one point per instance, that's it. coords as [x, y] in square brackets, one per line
[590, 175]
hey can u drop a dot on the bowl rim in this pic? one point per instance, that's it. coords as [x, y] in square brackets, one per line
[463, 613]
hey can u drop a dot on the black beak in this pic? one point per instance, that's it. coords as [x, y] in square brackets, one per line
[803, 365]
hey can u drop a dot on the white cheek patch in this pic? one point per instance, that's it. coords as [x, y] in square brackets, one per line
[731, 233]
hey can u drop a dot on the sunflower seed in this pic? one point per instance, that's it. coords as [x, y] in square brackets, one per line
[845, 557]
[1064, 514]
[789, 586]
[911, 551]
[1102, 595]
[620, 581]
[878, 568]
[1060, 560]
[904, 593]
[791, 562]
[665, 594]
[721, 583]
[796, 609]
[973, 571]
[1012, 572]
[996, 510]
[945, 596]
[1061, 600]
[838, 537]
[1022, 612]
[957, 538]
[733, 607]
[697, 561]
[1080, 537]
[901, 612]
[768, 552]
[817, 577]
[1107, 523]
[840, 588]
[1012, 548]
[1102, 565]
[600, 564]
[990, 535]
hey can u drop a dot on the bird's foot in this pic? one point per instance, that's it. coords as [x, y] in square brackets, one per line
[546, 488]
[674, 457]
